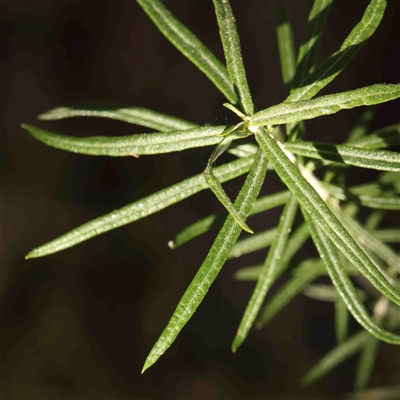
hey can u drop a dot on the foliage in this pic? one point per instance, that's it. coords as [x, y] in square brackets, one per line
[348, 247]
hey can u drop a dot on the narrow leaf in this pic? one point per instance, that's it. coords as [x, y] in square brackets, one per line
[387, 235]
[125, 146]
[233, 55]
[335, 357]
[141, 208]
[325, 105]
[322, 215]
[190, 46]
[285, 45]
[341, 319]
[133, 115]
[311, 40]
[302, 276]
[383, 160]
[366, 363]
[345, 287]
[381, 139]
[335, 64]
[213, 262]
[271, 270]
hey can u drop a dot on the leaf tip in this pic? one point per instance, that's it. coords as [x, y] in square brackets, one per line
[237, 341]
[171, 244]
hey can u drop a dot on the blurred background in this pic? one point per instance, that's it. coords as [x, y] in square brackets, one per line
[79, 324]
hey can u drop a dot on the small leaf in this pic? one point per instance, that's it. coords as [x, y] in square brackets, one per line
[335, 64]
[273, 267]
[285, 45]
[381, 139]
[190, 46]
[309, 199]
[125, 146]
[141, 208]
[233, 55]
[361, 128]
[213, 263]
[311, 40]
[335, 357]
[387, 235]
[366, 363]
[305, 273]
[383, 160]
[341, 319]
[325, 105]
[132, 115]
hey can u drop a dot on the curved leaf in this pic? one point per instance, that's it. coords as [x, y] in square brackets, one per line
[190, 46]
[132, 115]
[125, 146]
[381, 139]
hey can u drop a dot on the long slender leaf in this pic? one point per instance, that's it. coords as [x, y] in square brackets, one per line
[325, 105]
[213, 262]
[341, 319]
[345, 287]
[125, 146]
[285, 45]
[302, 276]
[233, 55]
[311, 40]
[190, 46]
[383, 160]
[335, 357]
[387, 235]
[271, 270]
[141, 208]
[132, 115]
[322, 215]
[335, 64]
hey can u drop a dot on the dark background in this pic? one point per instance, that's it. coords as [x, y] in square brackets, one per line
[79, 324]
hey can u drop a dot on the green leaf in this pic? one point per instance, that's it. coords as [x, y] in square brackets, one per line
[213, 263]
[285, 45]
[360, 129]
[335, 357]
[190, 46]
[253, 243]
[132, 115]
[341, 319]
[345, 287]
[366, 362]
[387, 235]
[250, 273]
[305, 273]
[325, 105]
[141, 208]
[335, 64]
[311, 40]
[217, 188]
[273, 267]
[233, 55]
[206, 224]
[322, 215]
[133, 145]
[381, 139]
[383, 160]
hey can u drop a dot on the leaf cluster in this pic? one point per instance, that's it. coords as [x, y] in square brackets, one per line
[348, 247]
